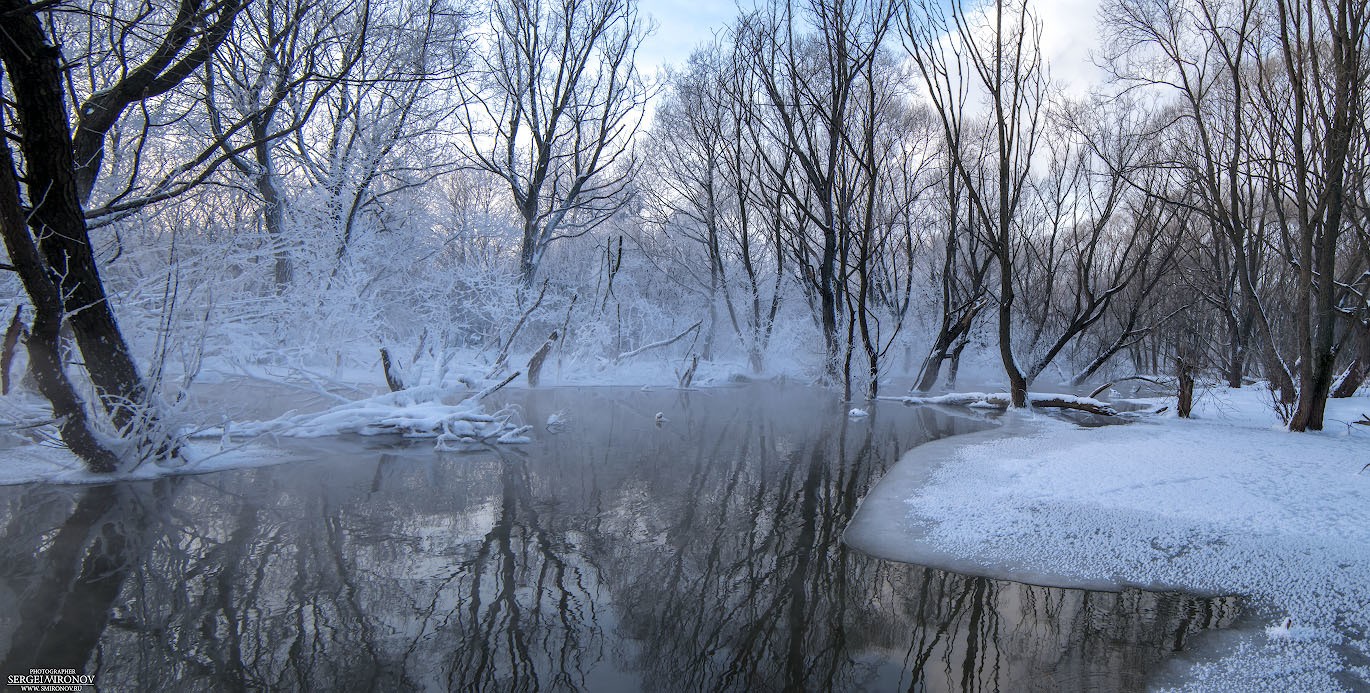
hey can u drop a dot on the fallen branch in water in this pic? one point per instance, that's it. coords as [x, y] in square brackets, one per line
[418, 412]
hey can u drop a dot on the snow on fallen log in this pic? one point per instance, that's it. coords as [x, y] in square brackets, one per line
[1002, 400]
[420, 412]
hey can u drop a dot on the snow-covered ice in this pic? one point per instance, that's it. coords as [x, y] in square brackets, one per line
[1224, 503]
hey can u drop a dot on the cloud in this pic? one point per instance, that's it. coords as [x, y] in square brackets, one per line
[1070, 40]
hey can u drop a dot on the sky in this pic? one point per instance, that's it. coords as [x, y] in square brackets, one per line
[1070, 34]
[681, 25]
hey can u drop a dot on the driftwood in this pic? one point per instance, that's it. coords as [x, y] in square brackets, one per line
[1002, 400]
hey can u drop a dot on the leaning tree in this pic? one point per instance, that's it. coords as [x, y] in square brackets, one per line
[50, 164]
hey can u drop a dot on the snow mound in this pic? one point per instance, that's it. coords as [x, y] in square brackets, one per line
[414, 413]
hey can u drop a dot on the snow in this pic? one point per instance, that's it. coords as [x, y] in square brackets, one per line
[422, 412]
[56, 465]
[557, 422]
[454, 419]
[1224, 503]
[1001, 400]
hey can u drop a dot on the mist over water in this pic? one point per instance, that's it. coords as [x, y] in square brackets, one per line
[622, 550]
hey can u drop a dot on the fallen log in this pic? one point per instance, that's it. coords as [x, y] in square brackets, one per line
[1001, 400]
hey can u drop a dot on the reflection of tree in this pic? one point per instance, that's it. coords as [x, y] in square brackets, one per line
[65, 599]
[528, 613]
[980, 634]
[703, 554]
[754, 590]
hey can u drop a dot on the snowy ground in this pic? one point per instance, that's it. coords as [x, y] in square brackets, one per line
[1224, 503]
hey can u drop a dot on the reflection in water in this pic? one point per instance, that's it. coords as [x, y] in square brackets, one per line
[702, 554]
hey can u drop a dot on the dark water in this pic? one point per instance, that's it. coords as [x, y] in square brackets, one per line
[704, 553]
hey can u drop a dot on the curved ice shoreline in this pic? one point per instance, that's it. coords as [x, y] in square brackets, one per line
[886, 527]
[1209, 507]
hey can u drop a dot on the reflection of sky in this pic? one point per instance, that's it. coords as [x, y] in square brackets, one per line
[1070, 31]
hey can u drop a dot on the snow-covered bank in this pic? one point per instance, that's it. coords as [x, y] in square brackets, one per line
[1225, 503]
[56, 465]
[454, 420]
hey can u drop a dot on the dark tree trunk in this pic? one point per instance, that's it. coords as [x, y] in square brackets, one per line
[58, 219]
[44, 340]
[13, 334]
[1017, 383]
[392, 376]
[1185, 405]
[273, 207]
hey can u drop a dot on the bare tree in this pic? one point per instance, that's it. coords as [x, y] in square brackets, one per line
[685, 172]
[1098, 245]
[554, 113]
[1323, 50]
[995, 52]
[816, 138]
[60, 168]
[282, 59]
[1265, 132]
[961, 273]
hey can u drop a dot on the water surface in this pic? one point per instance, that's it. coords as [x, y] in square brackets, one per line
[700, 553]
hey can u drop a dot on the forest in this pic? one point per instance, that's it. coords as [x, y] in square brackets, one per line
[860, 193]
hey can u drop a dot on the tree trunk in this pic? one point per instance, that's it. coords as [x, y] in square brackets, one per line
[58, 219]
[1017, 383]
[273, 209]
[44, 340]
[13, 334]
[1185, 405]
[535, 363]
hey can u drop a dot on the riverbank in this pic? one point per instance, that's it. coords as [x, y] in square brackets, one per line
[1224, 503]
